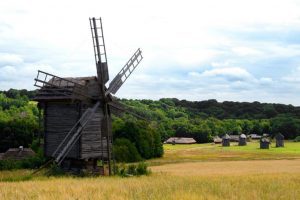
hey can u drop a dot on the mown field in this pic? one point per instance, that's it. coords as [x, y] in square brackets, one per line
[201, 171]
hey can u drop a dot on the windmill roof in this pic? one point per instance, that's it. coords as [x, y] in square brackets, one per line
[66, 88]
[180, 140]
[78, 80]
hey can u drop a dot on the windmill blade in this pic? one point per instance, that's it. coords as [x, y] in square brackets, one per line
[125, 72]
[64, 86]
[118, 108]
[99, 50]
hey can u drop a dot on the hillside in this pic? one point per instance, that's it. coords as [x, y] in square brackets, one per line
[201, 120]
[205, 119]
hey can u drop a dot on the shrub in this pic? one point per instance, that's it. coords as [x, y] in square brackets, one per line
[125, 151]
[55, 170]
[132, 170]
[297, 139]
[142, 169]
[28, 163]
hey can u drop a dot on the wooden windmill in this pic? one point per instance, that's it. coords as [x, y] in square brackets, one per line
[77, 111]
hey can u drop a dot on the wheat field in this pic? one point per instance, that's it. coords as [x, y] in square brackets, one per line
[195, 178]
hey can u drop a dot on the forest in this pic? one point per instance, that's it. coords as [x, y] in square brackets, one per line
[142, 139]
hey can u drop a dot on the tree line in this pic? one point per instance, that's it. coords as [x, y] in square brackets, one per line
[203, 120]
[138, 139]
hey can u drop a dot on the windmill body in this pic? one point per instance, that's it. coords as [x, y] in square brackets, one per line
[77, 111]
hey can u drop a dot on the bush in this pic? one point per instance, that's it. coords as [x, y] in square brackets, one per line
[132, 170]
[145, 138]
[142, 169]
[28, 163]
[9, 164]
[125, 151]
[297, 139]
[55, 170]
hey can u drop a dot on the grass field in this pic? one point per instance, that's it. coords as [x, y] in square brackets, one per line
[212, 152]
[201, 171]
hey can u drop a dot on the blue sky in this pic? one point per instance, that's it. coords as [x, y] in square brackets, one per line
[229, 50]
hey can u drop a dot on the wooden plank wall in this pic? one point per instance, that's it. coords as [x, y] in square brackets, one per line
[60, 117]
[91, 138]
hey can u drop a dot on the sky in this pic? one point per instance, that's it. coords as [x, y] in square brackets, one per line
[233, 50]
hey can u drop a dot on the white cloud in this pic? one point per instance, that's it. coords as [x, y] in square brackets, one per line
[176, 37]
[229, 73]
[8, 58]
[245, 51]
[293, 77]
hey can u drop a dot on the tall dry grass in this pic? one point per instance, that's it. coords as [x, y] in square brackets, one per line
[158, 186]
[189, 176]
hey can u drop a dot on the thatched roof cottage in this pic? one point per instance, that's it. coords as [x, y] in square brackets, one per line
[180, 140]
[18, 153]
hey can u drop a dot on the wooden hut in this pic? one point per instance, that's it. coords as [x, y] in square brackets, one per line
[254, 137]
[18, 153]
[242, 140]
[217, 140]
[279, 140]
[234, 138]
[180, 140]
[264, 143]
[226, 140]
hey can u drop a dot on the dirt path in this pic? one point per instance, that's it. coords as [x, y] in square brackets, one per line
[230, 167]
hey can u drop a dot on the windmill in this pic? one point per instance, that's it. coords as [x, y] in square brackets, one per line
[77, 110]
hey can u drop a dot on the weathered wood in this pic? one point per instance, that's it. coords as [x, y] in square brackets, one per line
[60, 119]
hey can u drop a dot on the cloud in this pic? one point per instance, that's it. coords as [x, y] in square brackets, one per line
[293, 77]
[6, 58]
[238, 50]
[228, 73]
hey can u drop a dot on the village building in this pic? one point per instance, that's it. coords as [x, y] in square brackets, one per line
[217, 140]
[255, 137]
[242, 140]
[226, 140]
[18, 153]
[234, 138]
[264, 143]
[180, 140]
[279, 140]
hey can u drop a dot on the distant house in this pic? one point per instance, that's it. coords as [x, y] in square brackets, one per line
[217, 140]
[226, 140]
[279, 140]
[242, 140]
[264, 143]
[18, 153]
[255, 136]
[180, 140]
[234, 138]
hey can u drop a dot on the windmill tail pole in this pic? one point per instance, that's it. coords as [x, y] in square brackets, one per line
[42, 167]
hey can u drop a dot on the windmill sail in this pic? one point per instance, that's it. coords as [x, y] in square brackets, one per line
[99, 50]
[125, 72]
